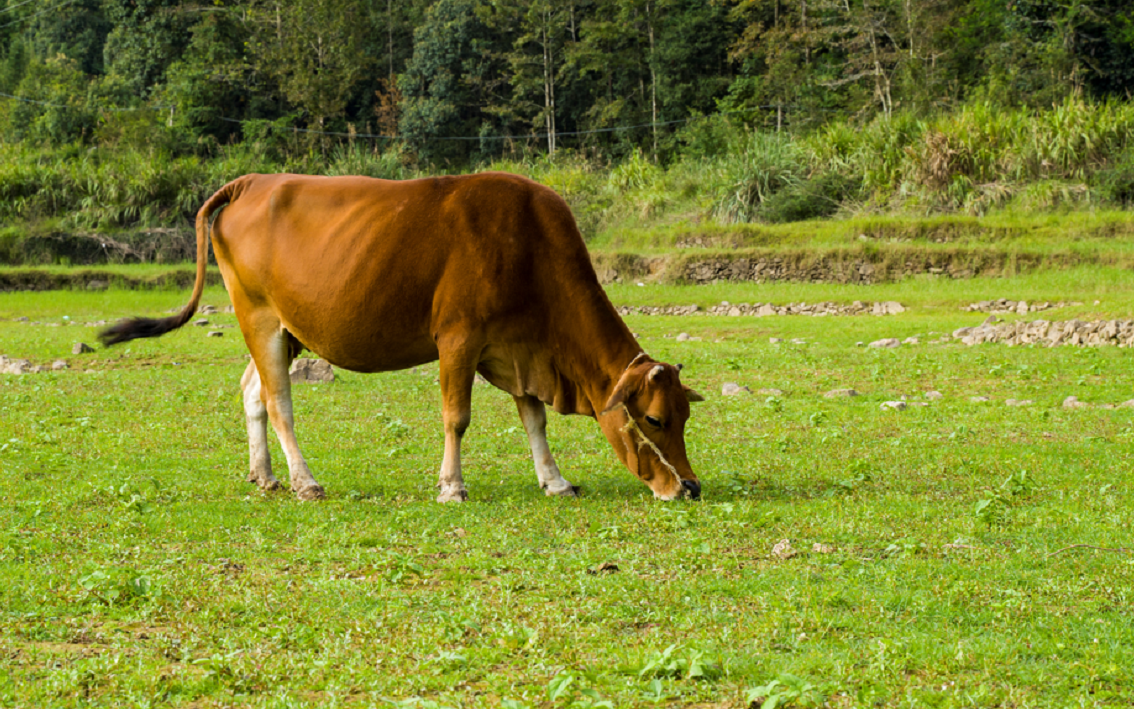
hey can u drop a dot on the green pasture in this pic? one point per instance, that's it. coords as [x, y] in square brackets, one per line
[960, 554]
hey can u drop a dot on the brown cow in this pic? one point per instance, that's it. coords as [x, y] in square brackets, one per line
[487, 273]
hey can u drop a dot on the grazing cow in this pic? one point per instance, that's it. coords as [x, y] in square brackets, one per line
[486, 273]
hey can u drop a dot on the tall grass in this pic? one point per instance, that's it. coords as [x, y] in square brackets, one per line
[976, 160]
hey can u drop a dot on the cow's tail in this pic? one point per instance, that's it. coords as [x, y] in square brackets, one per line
[135, 328]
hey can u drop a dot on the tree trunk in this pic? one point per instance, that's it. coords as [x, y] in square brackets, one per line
[548, 86]
[390, 39]
[653, 81]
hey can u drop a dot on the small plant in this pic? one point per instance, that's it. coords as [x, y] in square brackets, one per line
[786, 690]
[995, 509]
[671, 663]
[861, 472]
[117, 586]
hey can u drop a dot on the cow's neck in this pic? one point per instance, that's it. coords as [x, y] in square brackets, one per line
[602, 348]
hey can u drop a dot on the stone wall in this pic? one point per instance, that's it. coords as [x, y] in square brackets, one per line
[861, 265]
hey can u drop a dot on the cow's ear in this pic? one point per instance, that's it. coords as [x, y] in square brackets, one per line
[621, 395]
[691, 395]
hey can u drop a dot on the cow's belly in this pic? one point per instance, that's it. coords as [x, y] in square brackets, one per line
[362, 341]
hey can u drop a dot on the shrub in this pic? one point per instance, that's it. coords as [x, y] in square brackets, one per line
[813, 198]
[761, 165]
[1115, 183]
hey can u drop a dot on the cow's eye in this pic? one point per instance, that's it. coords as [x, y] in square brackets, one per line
[653, 422]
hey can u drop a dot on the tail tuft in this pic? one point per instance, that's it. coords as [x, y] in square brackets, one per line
[136, 328]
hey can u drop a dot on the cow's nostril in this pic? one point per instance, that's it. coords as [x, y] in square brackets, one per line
[693, 487]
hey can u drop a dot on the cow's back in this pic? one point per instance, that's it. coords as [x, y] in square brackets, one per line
[367, 273]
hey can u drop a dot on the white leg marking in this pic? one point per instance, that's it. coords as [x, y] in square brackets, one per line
[534, 416]
[278, 403]
[256, 416]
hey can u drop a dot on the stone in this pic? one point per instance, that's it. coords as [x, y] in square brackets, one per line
[978, 399]
[933, 395]
[798, 341]
[734, 389]
[207, 309]
[1129, 404]
[775, 340]
[888, 307]
[1022, 307]
[23, 319]
[14, 366]
[784, 550]
[962, 332]
[683, 337]
[911, 341]
[838, 393]
[734, 311]
[215, 333]
[822, 548]
[59, 364]
[1018, 402]
[311, 371]
[201, 323]
[770, 392]
[991, 320]
[765, 310]
[1072, 402]
[886, 343]
[81, 348]
[894, 405]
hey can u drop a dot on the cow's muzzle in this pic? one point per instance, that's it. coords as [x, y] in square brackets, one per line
[693, 488]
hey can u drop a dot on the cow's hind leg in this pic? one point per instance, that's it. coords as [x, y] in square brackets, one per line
[256, 415]
[272, 351]
[534, 416]
[458, 368]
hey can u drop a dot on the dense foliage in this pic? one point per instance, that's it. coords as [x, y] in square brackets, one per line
[126, 114]
[507, 75]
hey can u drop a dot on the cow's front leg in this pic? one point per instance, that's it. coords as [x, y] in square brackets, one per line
[256, 416]
[271, 353]
[458, 367]
[534, 416]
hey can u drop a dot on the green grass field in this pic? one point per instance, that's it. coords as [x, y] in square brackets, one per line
[969, 554]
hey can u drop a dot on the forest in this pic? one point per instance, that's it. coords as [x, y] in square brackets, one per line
[119, 113]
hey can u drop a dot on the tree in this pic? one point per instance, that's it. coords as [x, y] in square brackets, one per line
[456, 73]
[312, 49]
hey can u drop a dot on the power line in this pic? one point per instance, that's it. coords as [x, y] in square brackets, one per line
[97, 108]
[529, 136]
[378, 136]
[13, 7]
[41, 12]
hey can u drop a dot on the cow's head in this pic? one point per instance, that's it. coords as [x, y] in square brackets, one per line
[644, 420]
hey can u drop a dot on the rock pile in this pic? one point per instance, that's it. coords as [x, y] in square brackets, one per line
[888, 307]
[1020, 307]
[1051, 334]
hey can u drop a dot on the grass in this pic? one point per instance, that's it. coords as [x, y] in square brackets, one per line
[140, 569]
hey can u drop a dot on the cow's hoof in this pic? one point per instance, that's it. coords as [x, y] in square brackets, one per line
[268, 485]
[311, 493]
[569, 491]
[453, 495]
